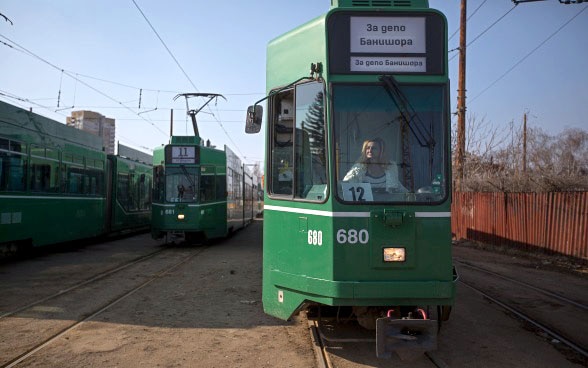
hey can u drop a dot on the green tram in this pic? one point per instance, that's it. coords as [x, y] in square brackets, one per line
[200, 192]
[357, 177]
[58, 185]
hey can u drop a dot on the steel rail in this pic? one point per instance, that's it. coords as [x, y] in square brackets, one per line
[155, 276]
[320, 349]
[319, 341]
[94, 278]
[543, 291]
[535, 323]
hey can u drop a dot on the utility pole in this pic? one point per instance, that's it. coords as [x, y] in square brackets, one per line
[461, 104]
[524, 143]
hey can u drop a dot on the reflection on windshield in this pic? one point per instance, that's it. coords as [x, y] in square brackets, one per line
[378, 155]
[181, 184]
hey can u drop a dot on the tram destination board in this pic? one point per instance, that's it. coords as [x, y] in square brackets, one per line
[399, 43]
[182, 155]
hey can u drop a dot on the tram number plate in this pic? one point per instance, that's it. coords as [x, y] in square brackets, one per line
[357, 192]
[315, 237]
[353, 236]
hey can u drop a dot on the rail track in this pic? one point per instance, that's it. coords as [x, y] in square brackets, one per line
[78, 285]
[547, 312]
[326, 355]
[19, 355]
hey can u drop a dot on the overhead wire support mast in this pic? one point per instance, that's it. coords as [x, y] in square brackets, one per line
[192, 113]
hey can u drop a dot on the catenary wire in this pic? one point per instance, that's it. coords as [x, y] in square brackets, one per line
[484, 31]
[186, 75]
[530, 53]
[80, 81]
[471, 15]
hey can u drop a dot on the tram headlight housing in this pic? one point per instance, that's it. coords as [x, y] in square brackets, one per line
[394, 254]
[180, 216]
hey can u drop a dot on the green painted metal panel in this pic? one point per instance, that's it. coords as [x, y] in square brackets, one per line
[201, 215]
[333, 252]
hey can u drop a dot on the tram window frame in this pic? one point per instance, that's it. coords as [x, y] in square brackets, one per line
[43, 170]
[158, 195]
[145, 191]
[207, 184]
[221, 187]
[13, 165]
[123, 188]
[95, 170]
[293, 173]
[73, 173]
[442, 156]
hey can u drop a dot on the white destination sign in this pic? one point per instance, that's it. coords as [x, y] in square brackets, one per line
[183, 155]
[390, 35]
[388, 64]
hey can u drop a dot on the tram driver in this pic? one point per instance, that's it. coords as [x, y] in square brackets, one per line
[374, 167]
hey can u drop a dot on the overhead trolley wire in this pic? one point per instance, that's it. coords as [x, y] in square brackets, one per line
[484, 31]
[471, 15]
[530, 53]
[185, 74]
[79, 80]
[164, 45]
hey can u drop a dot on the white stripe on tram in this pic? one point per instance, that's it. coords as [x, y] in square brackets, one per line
[51, 197]
[304, 211]
[186, 203]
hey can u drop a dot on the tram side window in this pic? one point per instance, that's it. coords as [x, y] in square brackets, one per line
[298, 161]
[310, 152]
[158, 184]
[73, 173]
[207, 184]
[13, 166]
[95, 173]
[145, 191]
[122, 190]
[282, 172]
[44, 171]
[221, 187]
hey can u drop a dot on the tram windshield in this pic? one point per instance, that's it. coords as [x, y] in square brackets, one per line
[390, 142]
[181, 184]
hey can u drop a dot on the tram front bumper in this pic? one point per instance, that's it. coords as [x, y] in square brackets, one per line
[408, 291]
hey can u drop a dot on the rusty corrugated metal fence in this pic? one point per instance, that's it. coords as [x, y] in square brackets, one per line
[555, 222]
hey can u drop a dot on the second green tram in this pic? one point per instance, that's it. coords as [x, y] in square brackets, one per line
[199, 192]
[357, 177]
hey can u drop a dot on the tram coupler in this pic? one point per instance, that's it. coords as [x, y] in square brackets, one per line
[408, 338]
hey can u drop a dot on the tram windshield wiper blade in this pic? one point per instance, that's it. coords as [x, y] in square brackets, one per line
[187, 175]
[408, 113]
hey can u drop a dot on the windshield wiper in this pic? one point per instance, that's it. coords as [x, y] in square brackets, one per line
[408, 113]
[187, 175]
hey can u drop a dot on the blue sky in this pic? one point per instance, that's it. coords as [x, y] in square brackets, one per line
[109, 46]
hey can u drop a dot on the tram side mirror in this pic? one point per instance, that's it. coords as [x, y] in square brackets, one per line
[253, 122]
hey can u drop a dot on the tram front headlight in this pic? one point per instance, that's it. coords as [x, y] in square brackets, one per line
[394, 254]
[180, 216]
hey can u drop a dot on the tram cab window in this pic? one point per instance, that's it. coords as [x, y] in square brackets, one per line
[181, 184]
[409, 163]
[298, 154]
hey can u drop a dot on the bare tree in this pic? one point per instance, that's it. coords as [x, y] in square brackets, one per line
[494, 159]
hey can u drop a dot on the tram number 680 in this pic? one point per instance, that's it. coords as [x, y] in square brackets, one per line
[353, 236]
[315, 237]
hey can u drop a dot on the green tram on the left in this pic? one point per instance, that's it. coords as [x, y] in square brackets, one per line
[58, 185]
[200, 192]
